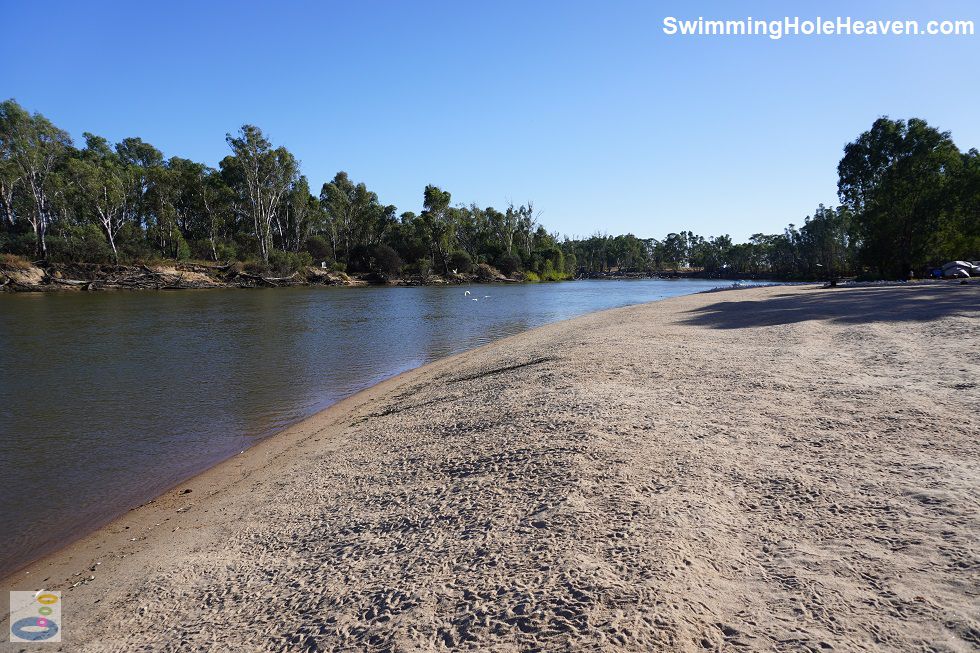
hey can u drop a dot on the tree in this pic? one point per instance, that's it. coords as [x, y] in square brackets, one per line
[100, 184]
[261, 176]
[354, 216]
[895, 180]
[33, 150]
[435, 212]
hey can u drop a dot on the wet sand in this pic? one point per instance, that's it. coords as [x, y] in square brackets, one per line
[767, 469]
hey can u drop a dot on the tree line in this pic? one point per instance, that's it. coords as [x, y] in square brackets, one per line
[909, 199]
[909, 202]
[125, 202]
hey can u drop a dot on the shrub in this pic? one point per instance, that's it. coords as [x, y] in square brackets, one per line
[485, 272]
[460, 261]
[319, 248]
[422, 267]
[509, 264]
[132, 244]
[226, 251]
[385, 260]
[183, 250]
[286, 263]
[246, 246]
[82, 243]
[201, 249]
[24, 243]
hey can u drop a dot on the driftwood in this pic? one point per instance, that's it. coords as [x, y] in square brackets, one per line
[272, 281]
[69, 282]
[149, 271]
[203, 269]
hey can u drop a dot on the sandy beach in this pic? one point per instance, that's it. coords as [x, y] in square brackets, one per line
[784, 468]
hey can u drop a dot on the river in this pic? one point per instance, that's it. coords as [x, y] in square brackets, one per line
[108, 399]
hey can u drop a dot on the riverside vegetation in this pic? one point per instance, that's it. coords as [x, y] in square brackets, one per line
[123, 215]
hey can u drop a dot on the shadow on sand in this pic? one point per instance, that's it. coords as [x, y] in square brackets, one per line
[846, 305]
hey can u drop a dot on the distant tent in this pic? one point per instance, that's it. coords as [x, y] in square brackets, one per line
[960, 270]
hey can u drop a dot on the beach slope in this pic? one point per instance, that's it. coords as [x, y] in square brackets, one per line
[765, 469]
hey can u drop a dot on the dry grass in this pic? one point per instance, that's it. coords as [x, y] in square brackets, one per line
[14, 262]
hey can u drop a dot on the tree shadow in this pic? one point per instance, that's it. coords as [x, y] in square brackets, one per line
[844, 305]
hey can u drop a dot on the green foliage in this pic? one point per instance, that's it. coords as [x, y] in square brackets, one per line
[385, 260]
[421, 267]
[909, 200]
[286, 263]
[460, 261]
[80, 243]
[900, 180]
[319, 248]
[508, 263]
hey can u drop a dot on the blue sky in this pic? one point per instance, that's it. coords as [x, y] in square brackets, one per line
[586, 108]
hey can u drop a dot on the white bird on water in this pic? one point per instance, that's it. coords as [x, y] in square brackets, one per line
[466, 294]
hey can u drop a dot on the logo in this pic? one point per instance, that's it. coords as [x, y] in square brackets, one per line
[35, 616]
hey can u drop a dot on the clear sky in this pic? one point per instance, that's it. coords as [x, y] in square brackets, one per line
[586, 108]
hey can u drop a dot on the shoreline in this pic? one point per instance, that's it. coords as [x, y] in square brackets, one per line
[218, 467]
[75, 277]
[337, 445]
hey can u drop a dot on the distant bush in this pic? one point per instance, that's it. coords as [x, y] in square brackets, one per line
[421, 267]
[246, 246]
[319, 248]
[485, 272]
[549, 273]
[509, 264]
[201, 249]
[286, 263]
[461, 262]
[254, 266]
[226, 251]
[385, 260]
[532, 277]
[23, 243]
[79, 243]
[183, 250]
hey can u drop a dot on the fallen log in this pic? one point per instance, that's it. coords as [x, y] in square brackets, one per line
[154, 272]
[70, 282]
[272, 281]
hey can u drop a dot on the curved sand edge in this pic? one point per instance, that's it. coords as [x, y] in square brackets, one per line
[765, 468]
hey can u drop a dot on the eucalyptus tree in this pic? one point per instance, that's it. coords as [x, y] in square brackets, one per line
[100, 183]
[355, 216]
[436, 214]
[300, 215]
[9, 180]
[34, 149]
[896, 178]
[261, 177]
[218, 201]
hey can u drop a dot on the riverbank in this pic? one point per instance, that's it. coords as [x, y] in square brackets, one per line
[20, 275]
[776, 467]
[23, 276]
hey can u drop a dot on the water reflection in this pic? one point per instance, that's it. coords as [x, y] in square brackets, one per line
[110, 398]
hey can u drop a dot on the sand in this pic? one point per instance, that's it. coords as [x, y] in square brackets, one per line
[767, 469]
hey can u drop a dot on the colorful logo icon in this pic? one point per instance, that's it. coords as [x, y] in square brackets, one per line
[35, 616]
